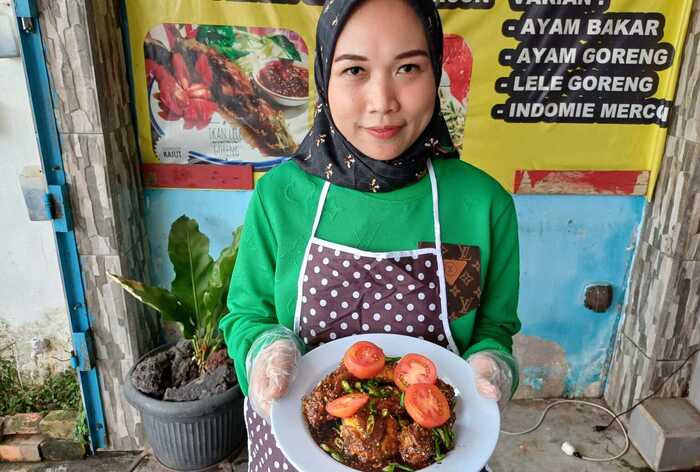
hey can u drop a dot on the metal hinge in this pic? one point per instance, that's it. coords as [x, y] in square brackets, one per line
[83, 358]
[58, 206]
[45, 203]
[27, 24]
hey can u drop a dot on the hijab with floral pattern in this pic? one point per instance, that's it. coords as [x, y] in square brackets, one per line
[326, 153]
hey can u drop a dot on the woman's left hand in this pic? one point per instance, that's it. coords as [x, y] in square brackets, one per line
[494, 379]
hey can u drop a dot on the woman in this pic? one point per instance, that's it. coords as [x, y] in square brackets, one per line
[332, 240]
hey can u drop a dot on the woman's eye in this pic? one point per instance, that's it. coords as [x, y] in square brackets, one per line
[408, 68]
[355, 70]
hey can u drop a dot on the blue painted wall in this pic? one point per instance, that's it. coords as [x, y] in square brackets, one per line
[217, 212]
[567, 242]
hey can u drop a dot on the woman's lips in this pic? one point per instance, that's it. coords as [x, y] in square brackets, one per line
[384, 132]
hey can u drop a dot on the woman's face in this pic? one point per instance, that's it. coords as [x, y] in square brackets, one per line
[382, 88]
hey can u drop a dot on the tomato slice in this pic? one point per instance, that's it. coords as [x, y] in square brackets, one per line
[347, 405]
[414, 369]
[427, 405]
[364, 360]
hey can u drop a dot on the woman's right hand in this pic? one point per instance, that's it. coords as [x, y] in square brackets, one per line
[272, 370]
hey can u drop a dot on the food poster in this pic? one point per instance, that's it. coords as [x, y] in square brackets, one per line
[579, 88]
[225, 94]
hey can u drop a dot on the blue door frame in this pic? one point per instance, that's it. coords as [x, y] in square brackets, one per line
[58, 205]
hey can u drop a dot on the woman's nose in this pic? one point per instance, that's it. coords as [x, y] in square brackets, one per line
[382, 96]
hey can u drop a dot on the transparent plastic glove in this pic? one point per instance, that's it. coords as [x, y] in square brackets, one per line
[271, 365]
[494, 377]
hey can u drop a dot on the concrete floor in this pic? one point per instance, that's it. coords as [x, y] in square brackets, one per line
[539, 451]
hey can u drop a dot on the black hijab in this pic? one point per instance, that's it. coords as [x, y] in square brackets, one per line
[326, 153]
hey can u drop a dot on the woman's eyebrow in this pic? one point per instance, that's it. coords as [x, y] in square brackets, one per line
[403, 55]
[412, 53]
[349, 57]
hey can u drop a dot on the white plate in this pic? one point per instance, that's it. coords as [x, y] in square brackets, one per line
[476, 427]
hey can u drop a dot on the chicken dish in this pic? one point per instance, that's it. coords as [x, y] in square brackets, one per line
[377, 413]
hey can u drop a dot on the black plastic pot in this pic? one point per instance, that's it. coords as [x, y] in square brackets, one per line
[190, 435]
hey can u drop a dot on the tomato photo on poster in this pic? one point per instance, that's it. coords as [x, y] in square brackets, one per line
[226, 94]
[454, 85]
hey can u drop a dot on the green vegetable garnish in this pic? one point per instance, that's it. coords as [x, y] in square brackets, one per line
[394, 465]
[438, 455]
[370, 424]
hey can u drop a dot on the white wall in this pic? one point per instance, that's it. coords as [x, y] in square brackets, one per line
[32, 302]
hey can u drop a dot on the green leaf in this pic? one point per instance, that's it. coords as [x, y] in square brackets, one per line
[160, 300]
[287, 46]
[215, 33]
[221, 38]
[188, 249]
[216, 293]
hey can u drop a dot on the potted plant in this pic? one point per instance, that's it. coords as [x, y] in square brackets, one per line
[187, 393]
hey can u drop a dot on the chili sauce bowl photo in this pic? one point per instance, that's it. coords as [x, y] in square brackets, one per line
[284, 81]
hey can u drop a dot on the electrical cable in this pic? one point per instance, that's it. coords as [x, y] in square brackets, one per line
[570, 450]
[658, 389]
[59, 359]
[137, 460]
[583, 402]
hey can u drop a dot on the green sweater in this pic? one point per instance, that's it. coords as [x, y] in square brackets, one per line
[474, 210]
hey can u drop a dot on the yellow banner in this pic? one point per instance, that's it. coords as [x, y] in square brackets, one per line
[556, 85]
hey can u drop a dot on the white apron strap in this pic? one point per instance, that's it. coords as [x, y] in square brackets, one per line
[440, 263]
[436, 208]
[319, 207]
[302, 269]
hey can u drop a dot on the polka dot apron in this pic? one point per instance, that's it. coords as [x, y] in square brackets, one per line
[345, 291]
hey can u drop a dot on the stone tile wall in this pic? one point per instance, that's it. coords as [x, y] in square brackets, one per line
[88, 74]
[661, 324]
